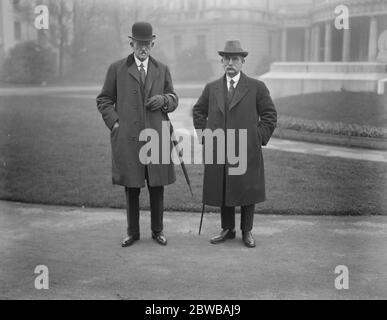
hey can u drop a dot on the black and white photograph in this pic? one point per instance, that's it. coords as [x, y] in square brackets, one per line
[191, 155]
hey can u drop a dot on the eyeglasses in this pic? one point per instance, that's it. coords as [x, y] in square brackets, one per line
[141, 44]
[234, 59]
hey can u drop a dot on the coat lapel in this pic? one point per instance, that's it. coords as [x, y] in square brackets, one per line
[220, 94]
[152, 75]
[240, 91]
[132, 68]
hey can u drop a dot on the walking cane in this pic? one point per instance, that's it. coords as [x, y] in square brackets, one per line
[178, 151]
[201, 219]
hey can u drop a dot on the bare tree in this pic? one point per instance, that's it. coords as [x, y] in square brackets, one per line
[85, 12]
[60, 31]
[125, 12]
[63, 13]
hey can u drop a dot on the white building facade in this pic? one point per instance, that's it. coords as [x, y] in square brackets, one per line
[15, 27]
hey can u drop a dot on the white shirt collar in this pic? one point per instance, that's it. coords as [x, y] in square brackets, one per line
[145, 63]
[236, 80]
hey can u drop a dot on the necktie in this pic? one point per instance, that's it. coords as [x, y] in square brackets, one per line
[142, 74]
[231, 91]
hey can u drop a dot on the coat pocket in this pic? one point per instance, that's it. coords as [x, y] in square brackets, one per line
[114, 140]
[259, 138]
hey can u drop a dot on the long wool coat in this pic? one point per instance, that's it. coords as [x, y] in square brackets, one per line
[122, 99]
[251, 108]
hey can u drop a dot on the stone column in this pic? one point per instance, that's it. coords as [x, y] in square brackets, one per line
[307, 45]
[328, 42]
[373, 39]
[284, 44]
[346, 44]
[311, 43]
[316, 43]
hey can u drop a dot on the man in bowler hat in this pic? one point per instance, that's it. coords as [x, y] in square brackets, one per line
[138, 94]
[236, 101]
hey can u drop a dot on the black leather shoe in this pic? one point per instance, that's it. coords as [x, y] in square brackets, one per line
[224, 235]
[160, 238]
[128, 241]
[248, 239]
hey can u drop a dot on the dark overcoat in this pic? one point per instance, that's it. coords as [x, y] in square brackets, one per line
[122, 99]
[252, 109]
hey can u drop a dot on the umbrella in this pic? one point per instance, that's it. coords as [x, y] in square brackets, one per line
[182, 164]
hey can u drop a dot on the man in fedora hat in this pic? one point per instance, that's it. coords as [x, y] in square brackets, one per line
[236, 102]
[138, 94]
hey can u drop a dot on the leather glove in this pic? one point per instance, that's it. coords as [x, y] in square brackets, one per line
[115, 126]
[156, 102]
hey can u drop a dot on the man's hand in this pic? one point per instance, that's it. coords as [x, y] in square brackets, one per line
[155, 103]
[116, 125]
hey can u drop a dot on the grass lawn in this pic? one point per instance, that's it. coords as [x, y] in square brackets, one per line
[57, 151]
[358, 114]
[361, 108]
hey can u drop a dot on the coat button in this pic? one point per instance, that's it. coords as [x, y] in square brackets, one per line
[134, 91]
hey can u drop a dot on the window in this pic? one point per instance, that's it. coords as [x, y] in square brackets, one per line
[177, 42]
[193, 5]
[18, 33]
[16, 4]
[202, 41]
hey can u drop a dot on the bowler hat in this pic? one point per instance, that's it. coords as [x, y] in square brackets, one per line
[233, 47]
[142, 31]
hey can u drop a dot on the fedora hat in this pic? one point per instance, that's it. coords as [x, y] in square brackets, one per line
[233, 47]
[142, 31]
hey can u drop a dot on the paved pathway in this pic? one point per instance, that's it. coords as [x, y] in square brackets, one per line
[181, 120]
[295, 257]
[327, 150]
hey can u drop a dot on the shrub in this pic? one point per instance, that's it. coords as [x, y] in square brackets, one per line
[29, 63]
[264, 65]
[330, 127]
[193, 65]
